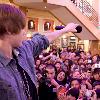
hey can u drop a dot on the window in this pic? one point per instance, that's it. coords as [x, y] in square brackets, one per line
[31, 24]
[47, 26]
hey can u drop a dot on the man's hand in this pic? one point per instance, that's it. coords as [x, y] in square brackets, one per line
[71, 27]
[53, 82]
[94, 95]
[62, 96]
[61, 93]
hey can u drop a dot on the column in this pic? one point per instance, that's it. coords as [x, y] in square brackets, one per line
[94, 47]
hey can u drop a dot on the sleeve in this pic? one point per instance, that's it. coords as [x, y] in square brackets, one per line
[36, 44]
[6, 92]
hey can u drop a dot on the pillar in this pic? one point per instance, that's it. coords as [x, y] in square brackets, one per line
[95, 47]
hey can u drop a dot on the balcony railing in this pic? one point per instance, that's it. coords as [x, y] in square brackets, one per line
[87, 10]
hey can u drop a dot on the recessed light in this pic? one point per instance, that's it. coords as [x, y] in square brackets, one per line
[45, 7]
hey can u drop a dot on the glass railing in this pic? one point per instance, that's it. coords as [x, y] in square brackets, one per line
[87, 10]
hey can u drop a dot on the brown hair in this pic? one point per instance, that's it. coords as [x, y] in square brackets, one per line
[12, 19]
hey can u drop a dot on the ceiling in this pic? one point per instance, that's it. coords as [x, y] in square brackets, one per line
[23, 1]
[36, 4]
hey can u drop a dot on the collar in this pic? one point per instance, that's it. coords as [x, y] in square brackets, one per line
[16, 52]
[4, 60]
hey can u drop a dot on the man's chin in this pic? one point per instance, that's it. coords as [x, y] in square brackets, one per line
[18, 45]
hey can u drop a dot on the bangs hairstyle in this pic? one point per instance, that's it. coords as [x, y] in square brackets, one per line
[12, 19]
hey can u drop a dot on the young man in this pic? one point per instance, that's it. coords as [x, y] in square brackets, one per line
[48, 85]
[96, 75]
[17, 72]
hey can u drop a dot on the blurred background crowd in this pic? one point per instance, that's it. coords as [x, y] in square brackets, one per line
[68, 74]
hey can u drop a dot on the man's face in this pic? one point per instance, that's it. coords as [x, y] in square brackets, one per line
[63, 56]
[38, 62]
[94, 59]
[66, 62]
[88, 55]
[89, 74]
[75, 84]
[96, 76]
[58, 66]
[50, 73]
[17, 39]
[80, 61]
[76, 75]
[61, 76]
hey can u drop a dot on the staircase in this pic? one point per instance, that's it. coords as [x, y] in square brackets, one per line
[88, 11]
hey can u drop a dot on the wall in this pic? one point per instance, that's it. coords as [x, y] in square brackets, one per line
[41, 15]
[4, 1]
[86, 46]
